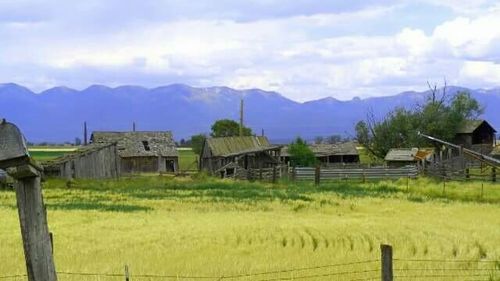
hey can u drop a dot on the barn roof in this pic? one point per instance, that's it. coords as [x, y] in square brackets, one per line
[470, 126]
[322, 150]
[232, 146]
[141, 143]
[402, 154]
[77, 153]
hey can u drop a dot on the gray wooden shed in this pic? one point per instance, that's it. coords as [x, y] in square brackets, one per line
[94, 161]
[142, 151]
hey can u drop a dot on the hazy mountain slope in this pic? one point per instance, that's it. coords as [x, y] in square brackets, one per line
[57, 114]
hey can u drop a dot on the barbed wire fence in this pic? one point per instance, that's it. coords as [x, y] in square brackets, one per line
[385, 269]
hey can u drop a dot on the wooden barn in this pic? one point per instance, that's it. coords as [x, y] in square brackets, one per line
[142, 151]
[399, 157]
[477, 135]
[94, 161]
[329, 154]
[229, 156]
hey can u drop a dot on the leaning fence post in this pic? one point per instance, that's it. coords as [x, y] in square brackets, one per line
[127, 276]
[16, 161]
[386, 262]
[317, 173]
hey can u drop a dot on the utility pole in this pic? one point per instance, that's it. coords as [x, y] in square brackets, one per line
[241, 117]
[133, 126]
[262, 133]
[85, 133]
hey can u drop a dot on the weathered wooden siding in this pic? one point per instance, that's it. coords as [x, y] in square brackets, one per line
[100, 163]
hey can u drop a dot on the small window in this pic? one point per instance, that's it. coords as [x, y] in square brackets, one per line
[146, 145]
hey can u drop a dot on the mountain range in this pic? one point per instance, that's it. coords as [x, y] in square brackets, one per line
[57, 114]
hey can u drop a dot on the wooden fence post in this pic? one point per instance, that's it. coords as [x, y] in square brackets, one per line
[467, 173]
[294, 173]
[386, 262]
[493, 174]
[317, 175]
[51, 242]
[444, 185]
[15, 159]
[274, 174]
[127, 276]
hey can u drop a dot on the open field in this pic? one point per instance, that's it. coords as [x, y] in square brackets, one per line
[207, 227]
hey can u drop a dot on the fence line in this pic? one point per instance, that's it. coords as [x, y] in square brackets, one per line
[404, 269]
[307, 173]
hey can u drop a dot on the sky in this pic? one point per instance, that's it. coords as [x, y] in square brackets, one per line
[303, 49]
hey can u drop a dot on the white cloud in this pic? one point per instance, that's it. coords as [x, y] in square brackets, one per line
[298, 54]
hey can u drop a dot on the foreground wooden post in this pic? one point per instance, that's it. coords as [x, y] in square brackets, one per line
[386, 262]
[493, 174]
[317, 175]
[14, 158]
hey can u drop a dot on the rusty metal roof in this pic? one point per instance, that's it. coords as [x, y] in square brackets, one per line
[232, 146]
[139, 143]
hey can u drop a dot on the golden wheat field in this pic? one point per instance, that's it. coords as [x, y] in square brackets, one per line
[206, 229]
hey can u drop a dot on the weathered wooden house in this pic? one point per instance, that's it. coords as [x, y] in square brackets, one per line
[142, 152]
[399, 157]
[235, 156]
[329, 154]
[94, 161]
[477, 135]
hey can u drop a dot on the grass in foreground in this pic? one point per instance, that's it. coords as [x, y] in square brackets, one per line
[208, 227]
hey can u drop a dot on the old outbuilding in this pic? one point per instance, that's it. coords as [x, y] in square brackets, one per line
[329, 154]
[94, 161]
[478, 135]
[142, 151]
[399, 157]
[237, 156]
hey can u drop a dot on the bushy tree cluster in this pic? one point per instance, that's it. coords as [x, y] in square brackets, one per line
[301, 154]
[438, 117]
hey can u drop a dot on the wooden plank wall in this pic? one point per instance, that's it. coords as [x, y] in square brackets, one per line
[102, 163]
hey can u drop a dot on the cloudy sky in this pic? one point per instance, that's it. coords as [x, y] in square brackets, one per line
[304, 49]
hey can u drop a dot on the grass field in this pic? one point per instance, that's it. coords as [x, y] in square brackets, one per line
[208, 227]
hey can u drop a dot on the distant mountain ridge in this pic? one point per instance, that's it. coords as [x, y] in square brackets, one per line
[57, 114]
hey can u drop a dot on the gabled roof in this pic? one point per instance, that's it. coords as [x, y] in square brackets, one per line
[402, 154]
[470, 126]
[233, 146]
[140, 143]
[323, 150]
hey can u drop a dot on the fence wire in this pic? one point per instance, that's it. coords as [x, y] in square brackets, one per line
[442, 269]
[403, 269]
